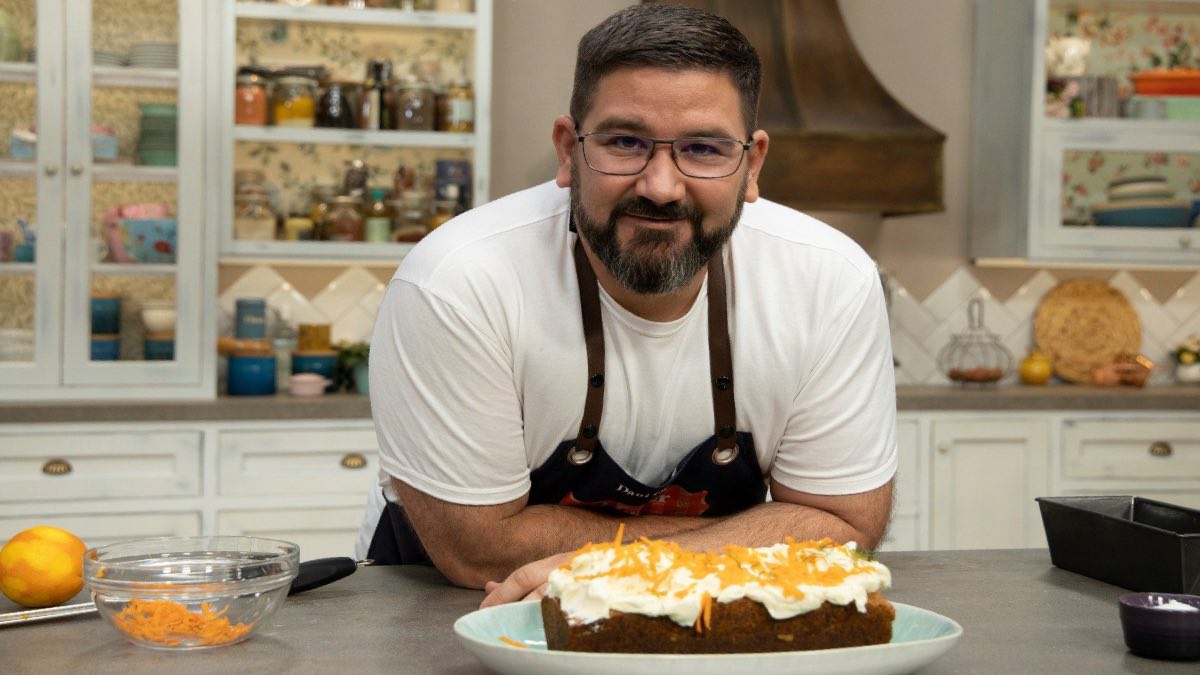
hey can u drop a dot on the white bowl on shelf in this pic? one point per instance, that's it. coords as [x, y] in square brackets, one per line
[158, 316]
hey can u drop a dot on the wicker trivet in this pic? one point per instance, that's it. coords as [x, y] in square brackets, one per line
[1083, 323]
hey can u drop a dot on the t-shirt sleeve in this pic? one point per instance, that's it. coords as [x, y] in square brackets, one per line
[841, 435]
[444, 402]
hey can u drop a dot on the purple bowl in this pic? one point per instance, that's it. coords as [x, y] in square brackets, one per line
[1153, 629]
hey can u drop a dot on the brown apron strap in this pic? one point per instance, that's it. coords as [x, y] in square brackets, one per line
[593, 334]
[719, 358]
[720, 364]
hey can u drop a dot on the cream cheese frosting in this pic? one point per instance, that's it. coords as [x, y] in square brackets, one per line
[655, 578]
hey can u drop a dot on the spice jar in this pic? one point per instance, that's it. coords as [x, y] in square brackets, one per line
[294, 103]
[459, 107]
[377, 221]
[414, 109]
[444, 212]
[343, 221]
[336, 107]
[252, 217]
[320, 198]
[250, 100]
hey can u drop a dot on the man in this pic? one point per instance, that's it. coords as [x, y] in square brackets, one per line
[628, 344]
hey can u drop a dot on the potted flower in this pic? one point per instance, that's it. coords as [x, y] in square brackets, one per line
[352, 365]
[1187, 360]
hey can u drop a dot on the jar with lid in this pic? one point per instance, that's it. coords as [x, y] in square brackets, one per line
[320, 198]
[414, 102]
[344, 220]
[294, 103]
[413, 214]
[444, 211]
[250, 100]
[253, 218]
[335, 110]
[458, 113]
[377, 220]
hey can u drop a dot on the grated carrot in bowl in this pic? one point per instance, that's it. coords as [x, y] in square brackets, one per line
[171, 623]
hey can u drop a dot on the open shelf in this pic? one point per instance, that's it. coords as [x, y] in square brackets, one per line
[101, 172]
[375, 17]
[322, 136]
[133, 270]
[108, 76]
[291, 252]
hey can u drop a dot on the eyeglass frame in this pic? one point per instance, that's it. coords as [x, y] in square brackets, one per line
[654, 143]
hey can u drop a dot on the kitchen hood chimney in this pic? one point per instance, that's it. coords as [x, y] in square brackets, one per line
[839, 141]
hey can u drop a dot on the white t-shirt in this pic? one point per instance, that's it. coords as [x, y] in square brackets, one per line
[479, 370]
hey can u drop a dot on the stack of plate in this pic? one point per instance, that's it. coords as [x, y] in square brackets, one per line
[154, 55]
[105, 58]
[156, 144]
[1142, 201]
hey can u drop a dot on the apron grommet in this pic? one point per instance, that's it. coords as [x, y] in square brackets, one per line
[597, 380]
[589, 431]
[723, 456]
[723, 383]
[579, 456]
[725, 431]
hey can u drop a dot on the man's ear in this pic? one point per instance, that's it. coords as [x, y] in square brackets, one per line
[756, 155]
[564, 136]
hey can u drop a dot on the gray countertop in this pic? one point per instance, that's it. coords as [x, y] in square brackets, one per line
[1019, 615]
[353, 406]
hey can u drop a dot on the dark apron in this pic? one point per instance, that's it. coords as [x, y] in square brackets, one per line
[718, 477]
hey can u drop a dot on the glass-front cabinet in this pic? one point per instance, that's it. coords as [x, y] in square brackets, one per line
[350, 128]
[1086, 138]
[102, 235]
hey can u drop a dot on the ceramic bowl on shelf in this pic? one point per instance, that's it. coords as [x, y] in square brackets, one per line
[1161, 625]
[307, 384]
[177, 593]
[158, 316]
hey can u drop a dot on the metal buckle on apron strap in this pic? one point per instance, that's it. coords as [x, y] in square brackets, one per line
[579, 456]
[723, 456]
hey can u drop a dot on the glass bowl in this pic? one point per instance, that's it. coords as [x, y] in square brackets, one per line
[1162, 625]
[190, 592]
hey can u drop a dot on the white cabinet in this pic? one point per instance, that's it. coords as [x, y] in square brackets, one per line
[320, 533]
[106, 136]
[438, 46]
[1037, 179]
[908, 530]
[986, 473]
[102, 528]
[1154, 458]
[340, 459]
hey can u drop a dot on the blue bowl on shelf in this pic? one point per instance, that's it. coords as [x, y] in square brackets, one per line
[1143, 213]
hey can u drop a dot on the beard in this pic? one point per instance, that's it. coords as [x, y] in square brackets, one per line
[652, 262]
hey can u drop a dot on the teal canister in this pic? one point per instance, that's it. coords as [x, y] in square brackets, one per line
[250, 322]
[251, 375]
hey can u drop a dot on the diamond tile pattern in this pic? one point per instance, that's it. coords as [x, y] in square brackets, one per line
[919, 329]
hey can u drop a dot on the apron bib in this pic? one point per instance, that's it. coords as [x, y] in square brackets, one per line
[718, 477]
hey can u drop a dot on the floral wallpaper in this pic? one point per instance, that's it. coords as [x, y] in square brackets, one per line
[345, 49]
[291, 170]
[1124, 42]
[1087, 174]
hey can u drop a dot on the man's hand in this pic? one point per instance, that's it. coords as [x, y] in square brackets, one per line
[528, 582]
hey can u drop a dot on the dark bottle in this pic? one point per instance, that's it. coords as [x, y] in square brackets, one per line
[377, 96]
[335, 109]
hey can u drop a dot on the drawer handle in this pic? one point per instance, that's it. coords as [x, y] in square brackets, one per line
[1161, 449]
[353, 460]
[57, 467]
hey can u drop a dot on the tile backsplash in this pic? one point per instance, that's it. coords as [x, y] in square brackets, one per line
[920, 328]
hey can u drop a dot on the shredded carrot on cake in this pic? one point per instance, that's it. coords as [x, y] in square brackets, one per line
[170, 623]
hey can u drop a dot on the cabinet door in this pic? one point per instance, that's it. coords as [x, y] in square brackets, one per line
[310, 462]
[986, 474]
[101, 529]
[905, 531]
[320, 533]
[31, 177]
[134, 189]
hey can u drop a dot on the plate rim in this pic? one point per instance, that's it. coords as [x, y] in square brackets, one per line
[956, 633]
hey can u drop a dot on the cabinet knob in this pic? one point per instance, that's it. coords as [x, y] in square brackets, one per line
[76, 169]
[1185, 241]
[57, 467]
[1161, 449]
[51, 169]
[353, 460]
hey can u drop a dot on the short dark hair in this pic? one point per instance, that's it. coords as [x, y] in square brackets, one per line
[672, 37]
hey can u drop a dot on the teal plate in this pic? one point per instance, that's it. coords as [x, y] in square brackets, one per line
[918, 638]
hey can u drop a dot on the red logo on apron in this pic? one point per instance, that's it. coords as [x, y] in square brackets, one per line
[673, 501]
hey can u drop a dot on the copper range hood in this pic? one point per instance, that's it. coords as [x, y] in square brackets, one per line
[839, 141]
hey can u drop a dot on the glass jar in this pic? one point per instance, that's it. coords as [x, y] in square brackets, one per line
[377, 221]
[336, 107]
[320, 198]
[459, 107]
[444, 211]
[252, 218]
[414, 109]
[250, 100]
[344, 220]
[294, 103]
[412, 218]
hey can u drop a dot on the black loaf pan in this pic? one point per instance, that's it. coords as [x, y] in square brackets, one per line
[1137, 543]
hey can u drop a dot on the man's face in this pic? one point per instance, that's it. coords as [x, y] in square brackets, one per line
[655, 230]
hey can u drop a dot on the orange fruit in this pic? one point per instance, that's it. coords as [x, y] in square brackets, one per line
[42, 566]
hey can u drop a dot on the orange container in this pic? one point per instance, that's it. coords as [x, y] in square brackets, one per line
[1178, 82]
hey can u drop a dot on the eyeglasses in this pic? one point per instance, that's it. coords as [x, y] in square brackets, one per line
[628, 155]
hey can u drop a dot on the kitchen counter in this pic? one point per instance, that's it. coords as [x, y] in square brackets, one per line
[353, 406]
[1019, 615]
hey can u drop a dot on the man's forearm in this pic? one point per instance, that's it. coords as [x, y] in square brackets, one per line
[770, 523]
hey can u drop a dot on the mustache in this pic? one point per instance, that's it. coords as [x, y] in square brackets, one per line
[644, 208]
